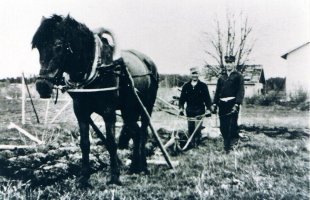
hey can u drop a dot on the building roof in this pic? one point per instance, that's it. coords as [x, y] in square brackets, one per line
[252, 74]
[299, 47]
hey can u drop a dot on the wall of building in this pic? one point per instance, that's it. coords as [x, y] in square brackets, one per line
[298, 70]
[251, 90]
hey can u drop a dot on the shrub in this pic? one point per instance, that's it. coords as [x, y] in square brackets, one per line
[268, 99]
[304, 106]
[300, 96]
[251, 100]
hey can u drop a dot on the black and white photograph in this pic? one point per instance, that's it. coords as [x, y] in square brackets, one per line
[155, 99]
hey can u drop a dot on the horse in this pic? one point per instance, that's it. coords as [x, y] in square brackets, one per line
[80, 61]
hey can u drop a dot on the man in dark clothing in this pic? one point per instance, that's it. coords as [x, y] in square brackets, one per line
[197, 98]
[228, 97]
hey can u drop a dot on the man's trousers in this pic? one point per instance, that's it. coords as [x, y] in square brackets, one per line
[228, 123]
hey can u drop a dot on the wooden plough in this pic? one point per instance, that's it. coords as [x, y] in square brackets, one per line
[175, 138]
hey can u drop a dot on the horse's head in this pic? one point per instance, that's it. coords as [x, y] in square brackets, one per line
[64, 45]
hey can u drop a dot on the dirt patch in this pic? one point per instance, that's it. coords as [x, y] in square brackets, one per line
[44, 165]
[288, 133]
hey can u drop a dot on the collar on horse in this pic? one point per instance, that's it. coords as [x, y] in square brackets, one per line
[93, 75]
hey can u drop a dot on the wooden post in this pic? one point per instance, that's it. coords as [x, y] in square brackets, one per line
[23, 101]
[34, 109]
[161, 146]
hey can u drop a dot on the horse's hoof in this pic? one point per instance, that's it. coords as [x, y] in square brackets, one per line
[115, 182]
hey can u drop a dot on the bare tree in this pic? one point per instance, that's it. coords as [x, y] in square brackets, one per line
[232, 38]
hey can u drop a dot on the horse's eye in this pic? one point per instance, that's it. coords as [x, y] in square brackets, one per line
[58, 48]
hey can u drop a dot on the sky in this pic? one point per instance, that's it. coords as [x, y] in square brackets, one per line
[171, 32]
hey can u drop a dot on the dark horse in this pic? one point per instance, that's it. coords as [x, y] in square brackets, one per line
[81, 62]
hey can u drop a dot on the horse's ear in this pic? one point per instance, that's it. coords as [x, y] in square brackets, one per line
[68, 16]
[43, 18]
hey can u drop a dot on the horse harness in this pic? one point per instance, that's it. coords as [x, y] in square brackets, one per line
[116, 67]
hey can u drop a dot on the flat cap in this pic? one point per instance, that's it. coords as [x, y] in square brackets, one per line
[230, 59]
[194, 70]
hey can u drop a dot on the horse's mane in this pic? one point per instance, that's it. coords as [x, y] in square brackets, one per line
[80, 37]
[45, 29]
[72, 33]
[67, 28]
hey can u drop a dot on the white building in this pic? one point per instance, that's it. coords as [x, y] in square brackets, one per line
[298, 69]
[254, 80]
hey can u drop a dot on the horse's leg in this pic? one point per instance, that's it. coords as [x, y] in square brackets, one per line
[138, 161]
[143, 140]
[135, 160]
[112, 148]
[82, 115]
[130, 115]
[85, 147]
[133, 130]
[144, 133]
[124, 137]
[149, 104]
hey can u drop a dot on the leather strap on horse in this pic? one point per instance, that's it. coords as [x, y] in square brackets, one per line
[113, 68]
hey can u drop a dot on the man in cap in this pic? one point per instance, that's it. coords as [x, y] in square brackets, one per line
[228, 97]
[195, 94]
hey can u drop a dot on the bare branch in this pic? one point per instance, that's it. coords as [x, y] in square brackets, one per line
[232, 39]
[213, 56]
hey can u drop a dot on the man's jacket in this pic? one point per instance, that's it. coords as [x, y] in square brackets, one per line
[230, 86]
[196, 98]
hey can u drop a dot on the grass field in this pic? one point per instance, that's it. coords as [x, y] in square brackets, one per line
[264, 167]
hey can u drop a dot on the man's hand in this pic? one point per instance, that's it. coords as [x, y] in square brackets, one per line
[213, 109]
[235, 109]
[181, 112]
[208, 113]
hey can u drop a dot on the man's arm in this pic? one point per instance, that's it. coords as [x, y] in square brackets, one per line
[182, 98]
[240, 92]
[217, 92]
[207, 98]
